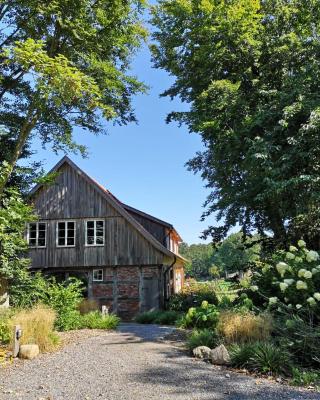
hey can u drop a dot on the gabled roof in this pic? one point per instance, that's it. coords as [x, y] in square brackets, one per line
[120, 207]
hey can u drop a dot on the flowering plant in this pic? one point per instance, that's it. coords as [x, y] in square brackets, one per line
[291, 279]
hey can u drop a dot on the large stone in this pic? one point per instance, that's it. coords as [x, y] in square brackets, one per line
[220, 355]
[29, 351]
[202, 352]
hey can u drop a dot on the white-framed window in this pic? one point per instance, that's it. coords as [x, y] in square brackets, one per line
[95, 232]
[97, 275]
[66, 234]
[37, 234]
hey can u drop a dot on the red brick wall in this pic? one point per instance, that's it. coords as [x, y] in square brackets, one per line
[120, 289]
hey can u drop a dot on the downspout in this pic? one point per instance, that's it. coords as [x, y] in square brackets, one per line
[165, 280]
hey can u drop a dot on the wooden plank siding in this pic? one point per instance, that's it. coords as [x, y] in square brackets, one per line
[73, 197]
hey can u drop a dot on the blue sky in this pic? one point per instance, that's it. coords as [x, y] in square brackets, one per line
[143, 165]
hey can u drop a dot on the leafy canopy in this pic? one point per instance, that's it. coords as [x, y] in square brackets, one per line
[250, 71]
[64, 65]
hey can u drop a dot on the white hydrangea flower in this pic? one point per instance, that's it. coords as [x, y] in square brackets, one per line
[301, 243]
[308, 274]
[298, 259]
[312, 256]
[290, 256]
[286, 299]
[254, 288]
[273, 300]
[281, 268]
[293, 249]
[314, 271]
[301, 272]
[298, 306]
[301, 285]
[311, 301]
[317, 296]
[288, 281]
[283, 286]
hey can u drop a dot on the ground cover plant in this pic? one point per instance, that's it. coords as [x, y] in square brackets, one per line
[95, 320]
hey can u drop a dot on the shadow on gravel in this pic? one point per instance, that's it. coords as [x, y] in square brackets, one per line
[190, 379]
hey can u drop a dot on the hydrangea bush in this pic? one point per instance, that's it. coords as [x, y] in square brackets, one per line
[205, 316]
[291, 280]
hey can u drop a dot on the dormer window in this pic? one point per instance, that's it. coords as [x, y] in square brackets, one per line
[95, 233]
[37, 232]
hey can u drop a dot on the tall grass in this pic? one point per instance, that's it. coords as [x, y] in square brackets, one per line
[37, 326]
[244, 327]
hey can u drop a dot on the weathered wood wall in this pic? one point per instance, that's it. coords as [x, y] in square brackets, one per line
[156, 229]
[72, 197]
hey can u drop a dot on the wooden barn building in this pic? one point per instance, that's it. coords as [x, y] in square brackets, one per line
[128, 259]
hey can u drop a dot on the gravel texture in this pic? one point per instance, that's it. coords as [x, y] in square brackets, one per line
[135, 363]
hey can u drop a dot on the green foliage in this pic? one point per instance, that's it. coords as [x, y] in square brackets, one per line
[14, 214]
[200, 259]
[301, 338]
[250, 72]
[64, 65]
[95, 320]
[305, 378]
[205, 316]
[204, 337]
[291, 280]
[192, 295]
[64, 298]
[236, 254]
[5, 329]
[158, 317]
[261, 357]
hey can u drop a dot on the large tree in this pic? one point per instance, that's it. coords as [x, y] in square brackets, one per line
[250, 71]
[64, 65]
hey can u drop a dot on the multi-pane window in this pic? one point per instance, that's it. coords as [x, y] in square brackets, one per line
[66, 233]
[97, 275]
[95, 233]
[37, 234]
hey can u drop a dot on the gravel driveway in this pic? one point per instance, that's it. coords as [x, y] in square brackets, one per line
[132, 364]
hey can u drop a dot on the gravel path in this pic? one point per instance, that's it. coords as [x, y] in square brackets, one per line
[132, 364]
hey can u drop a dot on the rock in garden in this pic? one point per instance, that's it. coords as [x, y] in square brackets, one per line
[220, 355]
[202, 352]
[29, 351]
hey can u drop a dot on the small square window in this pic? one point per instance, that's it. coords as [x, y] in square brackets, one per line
[98, 275]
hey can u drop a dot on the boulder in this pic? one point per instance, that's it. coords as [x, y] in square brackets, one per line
[202, 352]
[29, 351]
[220, 355]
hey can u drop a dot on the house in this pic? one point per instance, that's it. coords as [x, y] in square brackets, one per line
[128, 259]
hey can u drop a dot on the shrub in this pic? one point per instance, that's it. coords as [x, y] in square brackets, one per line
[263, 357]
[95, 320]
[5, 328]
[302, 339]
[238, 327]
[192, 295]
[205, 316]
[158, 317]
[147, 317]
[65, 298]
[290, 280]
[204, 337]
[88, 305]
[37, 327]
